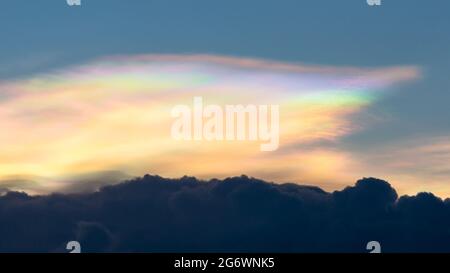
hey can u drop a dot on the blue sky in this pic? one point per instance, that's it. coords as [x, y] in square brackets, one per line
[322, 31]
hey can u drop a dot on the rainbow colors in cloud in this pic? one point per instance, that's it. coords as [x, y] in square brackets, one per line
[114, 114]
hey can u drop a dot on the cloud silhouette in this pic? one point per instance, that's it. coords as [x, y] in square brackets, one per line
[154, 214]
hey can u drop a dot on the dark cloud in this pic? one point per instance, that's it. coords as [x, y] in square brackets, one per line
[153, 214]
[94, 237]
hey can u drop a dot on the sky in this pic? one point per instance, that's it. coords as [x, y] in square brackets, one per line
[363, 91]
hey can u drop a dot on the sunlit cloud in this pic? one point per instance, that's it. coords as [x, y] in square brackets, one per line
[114, 114]
[416, 164]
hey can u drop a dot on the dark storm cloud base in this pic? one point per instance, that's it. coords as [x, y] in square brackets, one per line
[241, 214]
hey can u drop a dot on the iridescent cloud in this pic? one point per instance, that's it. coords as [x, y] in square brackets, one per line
[114, 114]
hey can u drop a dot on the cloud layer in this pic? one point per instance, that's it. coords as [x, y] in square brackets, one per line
[153, 214]
[114, 114]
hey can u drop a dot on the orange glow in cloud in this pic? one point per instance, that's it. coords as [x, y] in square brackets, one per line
[114, 114]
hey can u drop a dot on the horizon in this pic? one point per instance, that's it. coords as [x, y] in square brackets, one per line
[71, 186]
